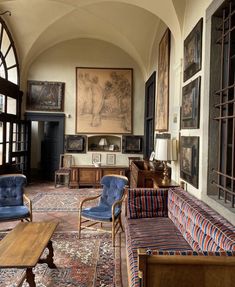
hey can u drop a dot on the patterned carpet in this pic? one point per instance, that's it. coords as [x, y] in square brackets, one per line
[88, 262]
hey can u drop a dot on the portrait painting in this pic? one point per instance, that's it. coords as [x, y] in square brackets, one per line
[45, 96]
[189, 159]
[104, 100]
[162, 108]
[190, 110]
[193, 51]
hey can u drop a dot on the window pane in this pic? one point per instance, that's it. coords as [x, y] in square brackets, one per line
[5, 43]
[2, 103]
[11, 106]
[12, 75]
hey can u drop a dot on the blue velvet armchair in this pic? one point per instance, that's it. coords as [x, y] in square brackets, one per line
[109, 207]
[14, 204]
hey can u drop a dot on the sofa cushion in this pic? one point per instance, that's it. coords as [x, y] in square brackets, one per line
[13, 212]
[151, 233]
[202, 227]
[147, 202]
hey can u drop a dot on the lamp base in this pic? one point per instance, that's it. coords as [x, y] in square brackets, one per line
[166, 178]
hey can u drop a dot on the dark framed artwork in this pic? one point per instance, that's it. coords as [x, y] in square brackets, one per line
[104, 100]
[190, 109]
[162, 107]
[132, 144]
[189, 159]
[75, 144]
[45, 96]
[193, 51]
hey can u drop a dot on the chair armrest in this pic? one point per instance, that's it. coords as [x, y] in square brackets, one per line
[118, 202]
[88, 199]
[28, 201]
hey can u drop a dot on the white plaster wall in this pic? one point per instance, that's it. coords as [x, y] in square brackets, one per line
[58, 64]
[194, 11]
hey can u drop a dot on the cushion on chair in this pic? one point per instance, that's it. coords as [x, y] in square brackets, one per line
[113, 189]
[11, 191]
[13, 212]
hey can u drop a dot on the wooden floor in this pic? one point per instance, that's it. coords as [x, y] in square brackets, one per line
[67, 221]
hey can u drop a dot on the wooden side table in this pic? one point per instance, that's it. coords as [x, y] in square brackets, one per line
[157, 183]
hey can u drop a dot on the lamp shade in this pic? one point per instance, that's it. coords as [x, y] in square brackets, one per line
[166, 149]
[103, 142]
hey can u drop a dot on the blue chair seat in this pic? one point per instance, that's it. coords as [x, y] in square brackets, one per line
[13, 212]
[100, 213]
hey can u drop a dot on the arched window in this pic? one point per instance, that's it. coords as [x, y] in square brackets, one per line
[9, 67]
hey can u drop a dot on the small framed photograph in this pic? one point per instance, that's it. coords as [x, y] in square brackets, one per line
[189, 159]
[75, 144]
[96, 158]
[190, 110]
[193, 51]
[111, 159]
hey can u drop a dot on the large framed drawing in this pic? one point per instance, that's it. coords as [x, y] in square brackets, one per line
[193, 51]
[132, 144]
[189, 159]
[190, 110]
[45, 96]
[104, 100]
[75, 143]
[162, 108]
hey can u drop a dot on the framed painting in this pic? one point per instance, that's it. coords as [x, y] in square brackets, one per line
[96, 158]
[45, 96]
[193, 51]
[162, 108]
[189, 159]
[111, 159]
[75, 144]
[104, 100]
[132, 144]
[190, 109]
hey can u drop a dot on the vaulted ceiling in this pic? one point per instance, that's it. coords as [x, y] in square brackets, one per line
[132, 25]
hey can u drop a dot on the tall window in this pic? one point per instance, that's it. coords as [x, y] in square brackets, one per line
[9, 68]
[14, 133]
[222, 105]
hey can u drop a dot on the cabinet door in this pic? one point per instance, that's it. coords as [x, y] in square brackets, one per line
[88, 176]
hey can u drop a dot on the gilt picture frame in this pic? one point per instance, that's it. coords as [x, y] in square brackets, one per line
[45, 96]
[190, 109]
[162, 106]
[104, 100]
[189, 159]
[193, 51]
[75, 143]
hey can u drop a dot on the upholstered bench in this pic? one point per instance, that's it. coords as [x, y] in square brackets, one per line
[174, 239]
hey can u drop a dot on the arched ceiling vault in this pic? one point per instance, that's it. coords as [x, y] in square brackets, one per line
[131, 25]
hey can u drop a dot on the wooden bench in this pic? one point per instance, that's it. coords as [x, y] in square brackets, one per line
[24, 245]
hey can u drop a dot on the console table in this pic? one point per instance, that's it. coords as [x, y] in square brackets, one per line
[89, 175]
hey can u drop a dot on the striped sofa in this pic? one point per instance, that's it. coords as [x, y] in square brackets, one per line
[172, 235]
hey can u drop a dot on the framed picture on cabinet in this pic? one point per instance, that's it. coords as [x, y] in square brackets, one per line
[162, 107]
[111, 159]
[45, 96]
[96, 158]
[104, 100]
[132, 144]
[75, 143]
[189, 159]
[190, 109]
[193, 51]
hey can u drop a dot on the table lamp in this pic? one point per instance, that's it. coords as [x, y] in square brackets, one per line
[165, 149]
[103, 142]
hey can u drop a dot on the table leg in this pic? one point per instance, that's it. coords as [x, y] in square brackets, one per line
[49, 259]
[30, 277]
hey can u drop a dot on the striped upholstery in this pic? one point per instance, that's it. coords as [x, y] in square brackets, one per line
[203, 228]
[147, 202]
[191, 228]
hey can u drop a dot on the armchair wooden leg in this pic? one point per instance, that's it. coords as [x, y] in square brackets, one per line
[120, 222]
[79, 224]
[113, 233]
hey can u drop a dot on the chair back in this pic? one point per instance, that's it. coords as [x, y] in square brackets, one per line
[113, 189]
[12, 189]
[65, 161]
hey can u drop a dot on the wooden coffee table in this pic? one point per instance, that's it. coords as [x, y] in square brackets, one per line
[23, 246]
